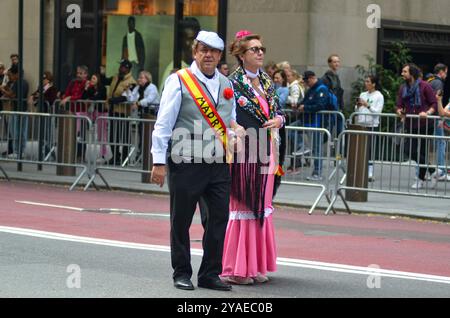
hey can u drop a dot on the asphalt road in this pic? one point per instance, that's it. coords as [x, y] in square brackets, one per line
[53, 241]
[42, 267]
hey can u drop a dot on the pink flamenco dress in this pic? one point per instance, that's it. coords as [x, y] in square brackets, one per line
[249, 248]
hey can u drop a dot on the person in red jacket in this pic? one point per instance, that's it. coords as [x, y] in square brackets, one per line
[75, 90]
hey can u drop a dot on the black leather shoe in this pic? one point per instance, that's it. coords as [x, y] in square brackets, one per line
[183, 283]
[215, 284]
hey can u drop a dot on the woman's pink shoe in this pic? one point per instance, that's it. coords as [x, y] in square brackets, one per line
[236, 280]
[261, 279]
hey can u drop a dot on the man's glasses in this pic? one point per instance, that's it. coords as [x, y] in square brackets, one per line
[256, 49]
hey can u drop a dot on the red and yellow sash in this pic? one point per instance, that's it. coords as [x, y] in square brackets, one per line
[204, 104]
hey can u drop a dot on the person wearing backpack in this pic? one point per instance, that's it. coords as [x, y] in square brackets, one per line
[317, 98]
[332, 80]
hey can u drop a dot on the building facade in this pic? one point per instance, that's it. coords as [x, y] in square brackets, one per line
[303, 32]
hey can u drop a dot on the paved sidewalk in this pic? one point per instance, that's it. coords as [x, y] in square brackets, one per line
[296, 196]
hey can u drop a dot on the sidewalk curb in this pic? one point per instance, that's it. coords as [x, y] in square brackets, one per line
[368, 213]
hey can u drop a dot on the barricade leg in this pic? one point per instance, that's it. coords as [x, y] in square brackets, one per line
[333, 202]
[5, 174]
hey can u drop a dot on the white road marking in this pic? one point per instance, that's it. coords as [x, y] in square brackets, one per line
[101, 210]
[50, 205]
[366, 271]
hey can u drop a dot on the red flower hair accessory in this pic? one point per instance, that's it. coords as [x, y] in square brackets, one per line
[228, 93]
[242, 34]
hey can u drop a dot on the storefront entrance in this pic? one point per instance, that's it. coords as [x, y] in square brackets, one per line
[429, 44]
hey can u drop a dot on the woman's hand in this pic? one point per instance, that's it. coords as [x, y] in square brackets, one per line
[240, 131]
[274, 123]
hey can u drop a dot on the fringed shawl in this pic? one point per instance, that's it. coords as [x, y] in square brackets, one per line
[249, 170]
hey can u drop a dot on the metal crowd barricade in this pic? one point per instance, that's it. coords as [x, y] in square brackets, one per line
[333, 121]
[46, 133]
[399, 159]
[125, 143]
[44, 139]
[387, 149]
[319, 158]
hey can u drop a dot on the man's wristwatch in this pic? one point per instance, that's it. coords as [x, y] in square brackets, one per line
[159, 164]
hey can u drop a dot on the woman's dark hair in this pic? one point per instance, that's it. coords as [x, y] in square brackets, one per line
[440, 67]
[48, 76]
[414, 70]
[283, 75]
[375, 80]
[99, 85]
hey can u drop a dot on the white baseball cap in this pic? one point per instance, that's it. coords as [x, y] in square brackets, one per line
[211, 39]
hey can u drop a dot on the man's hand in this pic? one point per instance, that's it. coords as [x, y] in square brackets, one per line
[4, 89]
[134, 106]
[301, 108]
[65, 100]
[401, 114]
[158, 175]
[423, 115]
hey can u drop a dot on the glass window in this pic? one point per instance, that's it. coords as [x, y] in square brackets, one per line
[73, 43]
[197, 15]
[152, 23]
[141, 31]
[201, 8]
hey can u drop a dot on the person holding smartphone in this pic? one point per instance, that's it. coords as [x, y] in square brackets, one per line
[145, 100]
[370, 102]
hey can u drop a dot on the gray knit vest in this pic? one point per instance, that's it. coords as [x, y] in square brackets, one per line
[192, 135]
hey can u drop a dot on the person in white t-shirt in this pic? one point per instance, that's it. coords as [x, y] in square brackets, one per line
[370, 102]
[133, 48]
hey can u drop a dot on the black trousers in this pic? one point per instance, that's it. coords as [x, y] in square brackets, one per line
[119, 133]
[419, 148]
[188, 182]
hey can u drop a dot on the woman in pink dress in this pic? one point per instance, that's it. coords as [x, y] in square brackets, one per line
[249, 249]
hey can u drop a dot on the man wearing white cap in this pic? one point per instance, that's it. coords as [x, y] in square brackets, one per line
[196, 101]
